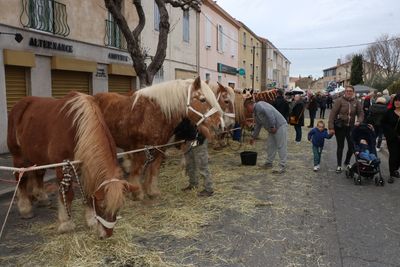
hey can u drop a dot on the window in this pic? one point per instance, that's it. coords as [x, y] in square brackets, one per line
[220, 38]
[114, 35]
[159, 76]
[208, 30]
[41, 15]
[186, 26]
[208, 76]
[156, 18]
[244, 40]
[219, 78]
[251, 42]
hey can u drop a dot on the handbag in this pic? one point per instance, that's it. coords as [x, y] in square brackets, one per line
[293, 120]
[338, 123]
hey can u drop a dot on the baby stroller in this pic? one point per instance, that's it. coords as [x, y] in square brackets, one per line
[369, 169]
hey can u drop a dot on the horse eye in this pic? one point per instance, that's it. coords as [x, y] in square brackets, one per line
[202, 100]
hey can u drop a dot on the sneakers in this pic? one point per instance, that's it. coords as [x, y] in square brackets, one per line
[348, 167]
[338, 169]
[189, 188]
[279, 171]
[267, 165]
[316, 168]
[391, 180]
[205, 193]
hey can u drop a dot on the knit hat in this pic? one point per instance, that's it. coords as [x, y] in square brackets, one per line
[381, 100]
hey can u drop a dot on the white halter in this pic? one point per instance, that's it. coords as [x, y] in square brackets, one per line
[107, 224]
[203, 116]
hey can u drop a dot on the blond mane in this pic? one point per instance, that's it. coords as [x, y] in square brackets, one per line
[94, 147]
[171, 96]
[239, 108]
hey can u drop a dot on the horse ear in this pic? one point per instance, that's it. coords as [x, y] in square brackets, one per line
[208, 82]
[251, 91]
[221, 87]
[244, 91]
[197, 83]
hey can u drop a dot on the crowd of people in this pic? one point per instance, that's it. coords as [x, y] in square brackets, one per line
[380, 112]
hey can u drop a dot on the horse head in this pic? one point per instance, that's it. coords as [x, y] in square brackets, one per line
[203, 109]
[247, 93]
[226, 99]
[107, 200]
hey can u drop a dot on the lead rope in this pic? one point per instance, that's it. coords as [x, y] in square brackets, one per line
[149, 158]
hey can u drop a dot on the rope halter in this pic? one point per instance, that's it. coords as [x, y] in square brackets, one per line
[106, 224]
[203, 117]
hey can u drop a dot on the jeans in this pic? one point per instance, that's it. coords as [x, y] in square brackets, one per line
[317, 151]
[322, 113]
[297, 128]
[313, 113]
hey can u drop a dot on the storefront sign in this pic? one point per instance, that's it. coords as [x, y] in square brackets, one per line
[226, 69]
[117, 57]
[50, 45]
[101, 73]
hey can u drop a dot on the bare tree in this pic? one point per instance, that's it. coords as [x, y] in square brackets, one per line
[146, 72]
[384, 55]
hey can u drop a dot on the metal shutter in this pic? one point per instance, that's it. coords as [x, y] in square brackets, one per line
[119, 83]
[64, 81]
[15, 84]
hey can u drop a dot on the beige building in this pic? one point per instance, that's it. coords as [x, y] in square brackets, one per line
[76, 45]
[250, 55]
[340, 74]
[276, 67]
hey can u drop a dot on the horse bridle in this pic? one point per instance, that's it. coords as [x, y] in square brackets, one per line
[203, 117]
[105, 223]
[227, 114]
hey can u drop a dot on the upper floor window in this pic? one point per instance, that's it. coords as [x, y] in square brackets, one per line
[156, 18]
[186, 26]
[208, 76]
[220, 38]
[45, 15]
[244, 40]
[114, 36]
[208, 30]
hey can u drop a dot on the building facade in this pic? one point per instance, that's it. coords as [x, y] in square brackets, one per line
[218, 40]
[250, 56]
[275, 72]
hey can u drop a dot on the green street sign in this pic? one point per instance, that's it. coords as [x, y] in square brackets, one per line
[241, 72]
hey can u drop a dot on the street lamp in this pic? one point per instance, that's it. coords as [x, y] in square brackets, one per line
[18, 36]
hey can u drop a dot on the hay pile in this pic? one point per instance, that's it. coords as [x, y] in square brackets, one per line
[150, 231]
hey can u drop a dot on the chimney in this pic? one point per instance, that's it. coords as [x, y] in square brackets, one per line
[339, 61]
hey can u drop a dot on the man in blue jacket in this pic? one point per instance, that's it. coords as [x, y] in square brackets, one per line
[266, 116]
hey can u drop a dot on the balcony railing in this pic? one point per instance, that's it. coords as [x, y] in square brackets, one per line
[114, 36]
[45, 15]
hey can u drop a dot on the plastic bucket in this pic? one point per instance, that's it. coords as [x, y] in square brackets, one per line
[248, 158]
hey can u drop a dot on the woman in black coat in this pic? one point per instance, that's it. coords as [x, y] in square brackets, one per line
[391, 129]
[298, 115]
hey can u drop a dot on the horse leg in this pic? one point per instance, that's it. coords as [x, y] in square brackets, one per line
[66, 224]
[136, 175]
[151, 181]
[24, 203]
[38, 191]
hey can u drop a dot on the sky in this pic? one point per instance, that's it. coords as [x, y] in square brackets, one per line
[317, 23]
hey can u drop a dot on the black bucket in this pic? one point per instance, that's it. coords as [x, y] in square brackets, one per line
[248, 158]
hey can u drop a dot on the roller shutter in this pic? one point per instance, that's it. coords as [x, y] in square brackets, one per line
[184, 74]
[119, 83]
[64, 81]
[15, 84]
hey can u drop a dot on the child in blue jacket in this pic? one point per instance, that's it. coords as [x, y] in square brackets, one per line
[317, 136]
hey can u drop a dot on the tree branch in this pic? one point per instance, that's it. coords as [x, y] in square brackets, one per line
[185, 4]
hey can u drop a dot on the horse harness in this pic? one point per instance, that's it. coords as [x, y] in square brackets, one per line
[69, 172]
[208, 114]
[227, 114]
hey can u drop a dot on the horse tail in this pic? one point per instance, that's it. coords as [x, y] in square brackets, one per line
[95, 146]
[14, 119]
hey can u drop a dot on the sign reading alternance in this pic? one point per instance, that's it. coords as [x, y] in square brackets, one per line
[226, 69]
[50, 45]
[117, 57]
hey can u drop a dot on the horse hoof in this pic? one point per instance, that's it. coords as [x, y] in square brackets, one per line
[66, 227]
[137, 196]
[154, 194]
[27, 215]
[44, 203]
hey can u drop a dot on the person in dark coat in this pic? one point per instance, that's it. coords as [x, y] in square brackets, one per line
[312, 108]
[298, 115]
[391, 129]
[329, 101]
[282, 105]
[322, 106]
[375, 116]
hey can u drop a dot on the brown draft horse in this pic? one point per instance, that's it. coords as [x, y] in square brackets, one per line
[44, 131]
[226, 99]
[149, 117]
